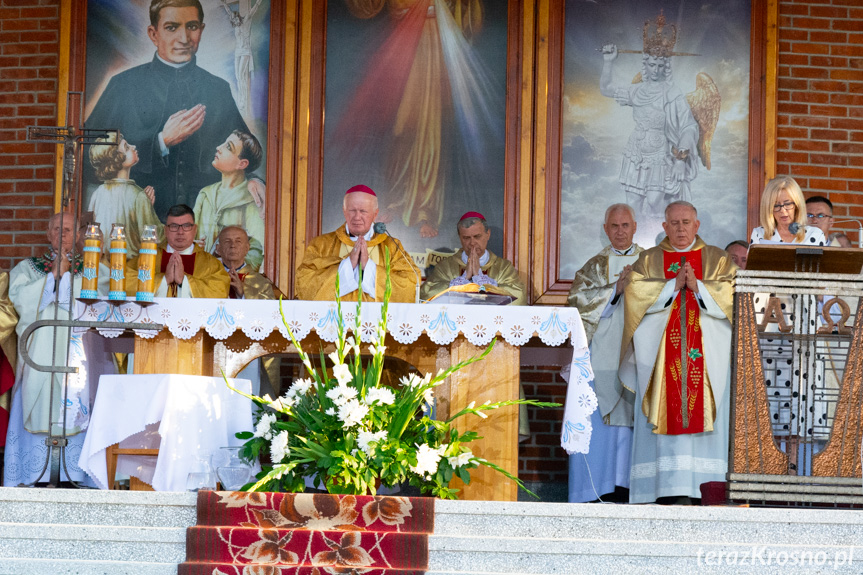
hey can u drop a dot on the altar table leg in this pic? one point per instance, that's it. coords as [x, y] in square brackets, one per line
[493, 379]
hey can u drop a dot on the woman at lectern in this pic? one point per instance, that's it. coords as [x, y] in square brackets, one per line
[783, 216]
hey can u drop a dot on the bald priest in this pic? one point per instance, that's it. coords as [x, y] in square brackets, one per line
[354, 246]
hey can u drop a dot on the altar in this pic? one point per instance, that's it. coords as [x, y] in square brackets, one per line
[212, 336]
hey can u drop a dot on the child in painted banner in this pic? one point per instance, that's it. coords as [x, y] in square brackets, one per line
[229, 202]
[119, 200]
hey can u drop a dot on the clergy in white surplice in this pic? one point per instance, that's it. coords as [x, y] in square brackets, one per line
[598, 293]
[676, 352]
[40, 288]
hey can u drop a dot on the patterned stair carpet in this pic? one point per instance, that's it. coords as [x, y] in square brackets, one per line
[308, 534]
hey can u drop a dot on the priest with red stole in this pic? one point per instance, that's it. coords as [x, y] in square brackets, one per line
[185, 269]
[676, 358]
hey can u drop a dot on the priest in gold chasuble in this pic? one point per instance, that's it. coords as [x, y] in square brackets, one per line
[474, 263]
[598, 293]
[676, 358]
[246, 283]
[343, 252]
[185, 269]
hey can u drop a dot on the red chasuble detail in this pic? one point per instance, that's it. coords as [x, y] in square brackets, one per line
[684, 415]
[188, 262]
[232, 293]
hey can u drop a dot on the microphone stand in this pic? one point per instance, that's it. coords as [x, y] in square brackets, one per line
[859, 227]
[381, 228]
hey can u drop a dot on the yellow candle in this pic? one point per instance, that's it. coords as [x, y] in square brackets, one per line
[92, 255]
[146, 265]
[117, 286]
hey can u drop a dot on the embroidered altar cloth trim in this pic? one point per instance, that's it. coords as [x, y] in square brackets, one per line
[257, 319]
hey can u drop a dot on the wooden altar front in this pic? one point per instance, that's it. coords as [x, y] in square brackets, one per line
[204, 337]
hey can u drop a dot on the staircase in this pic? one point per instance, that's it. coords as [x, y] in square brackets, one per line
[60, 532]
[88, 532]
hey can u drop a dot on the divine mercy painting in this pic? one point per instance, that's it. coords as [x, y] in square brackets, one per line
[415, 109]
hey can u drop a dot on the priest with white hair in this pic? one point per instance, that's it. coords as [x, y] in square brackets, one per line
[598, 293]
[676, 358]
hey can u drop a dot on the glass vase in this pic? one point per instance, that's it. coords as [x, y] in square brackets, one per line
[231, 468]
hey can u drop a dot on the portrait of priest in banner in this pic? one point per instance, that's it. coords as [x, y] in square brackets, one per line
[164, 73]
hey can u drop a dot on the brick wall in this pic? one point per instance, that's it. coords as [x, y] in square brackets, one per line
[541, 458]
[29, 35]
[820, 100]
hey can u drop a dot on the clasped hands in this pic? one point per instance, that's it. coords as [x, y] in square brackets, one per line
[622, 280]
[174, 271]
[360, 253]
[473, 266]
[686, 278]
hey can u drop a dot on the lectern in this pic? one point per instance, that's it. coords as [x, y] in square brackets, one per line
[797, 398]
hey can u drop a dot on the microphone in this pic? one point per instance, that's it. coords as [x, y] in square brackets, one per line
[859, 225]
[381, 228]
[794, 227]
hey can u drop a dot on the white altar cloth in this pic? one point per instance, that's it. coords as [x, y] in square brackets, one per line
[196, 416]
[257, 319]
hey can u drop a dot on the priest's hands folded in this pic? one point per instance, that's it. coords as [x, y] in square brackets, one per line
[360, 253]
[686, 277]
[473, 267]
[174, 271]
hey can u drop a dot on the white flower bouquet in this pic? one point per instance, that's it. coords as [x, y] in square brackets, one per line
[344, 430]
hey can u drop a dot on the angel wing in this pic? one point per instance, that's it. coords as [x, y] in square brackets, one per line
[705, 102]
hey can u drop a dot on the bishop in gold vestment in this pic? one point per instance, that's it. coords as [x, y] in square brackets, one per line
[341, 253]
[676, 359]
[474, 263]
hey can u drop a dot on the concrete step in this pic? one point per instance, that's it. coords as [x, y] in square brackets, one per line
[64, 567]
[84, 532]
[680, 524]
[96, 507]
[92, 542]
[537, 556]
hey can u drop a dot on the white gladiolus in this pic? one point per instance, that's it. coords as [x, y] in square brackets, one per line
[460, 460]
[330, 411]
[376, 350]
[365, 437]
[279, 447]
[352, 413]
[342, 373]
[410, 381]
[381, 395]
[264, 424]
[334, 357]
[287, 401]
[428, 395]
